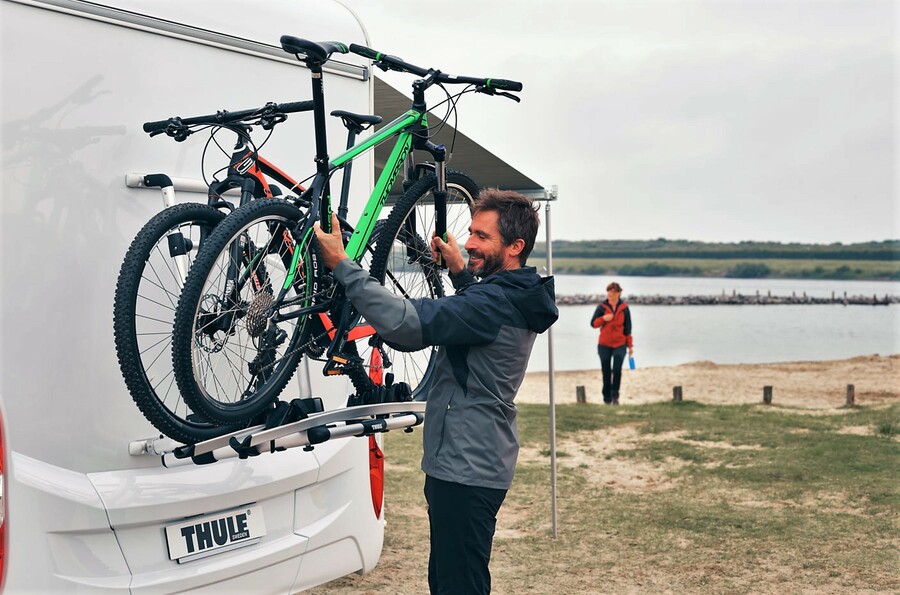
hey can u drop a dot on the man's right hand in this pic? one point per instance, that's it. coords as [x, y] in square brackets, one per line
[449, 251]
[331, 245]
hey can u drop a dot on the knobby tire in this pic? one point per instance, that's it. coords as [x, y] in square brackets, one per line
[402, 261]
[147, 291]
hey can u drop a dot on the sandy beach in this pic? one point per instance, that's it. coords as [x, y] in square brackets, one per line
[810, 385]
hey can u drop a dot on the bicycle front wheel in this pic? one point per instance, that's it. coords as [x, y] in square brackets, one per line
[147, 291]
[402, 261]
[234, 348]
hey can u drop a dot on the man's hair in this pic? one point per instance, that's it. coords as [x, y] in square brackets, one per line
[614, 287]
[517, 217]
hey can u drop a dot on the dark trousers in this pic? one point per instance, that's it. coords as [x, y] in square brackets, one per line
[611, 359]
[462, 520]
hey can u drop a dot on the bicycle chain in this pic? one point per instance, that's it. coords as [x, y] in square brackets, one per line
[313, 341]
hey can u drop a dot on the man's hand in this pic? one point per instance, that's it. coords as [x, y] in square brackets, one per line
[449, 251]
[331, 245]
[608, 317]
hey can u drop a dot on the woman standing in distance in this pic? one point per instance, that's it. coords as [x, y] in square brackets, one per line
[613, 319]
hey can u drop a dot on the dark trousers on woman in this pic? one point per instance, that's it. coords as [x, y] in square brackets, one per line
[611, 359]
[462, 520]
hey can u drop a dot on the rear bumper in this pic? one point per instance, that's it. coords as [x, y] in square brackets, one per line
[106, 531]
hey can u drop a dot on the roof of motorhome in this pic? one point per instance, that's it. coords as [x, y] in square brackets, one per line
[234, 18]
[484, 167]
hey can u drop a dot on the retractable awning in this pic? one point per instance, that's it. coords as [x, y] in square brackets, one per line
[484, 167]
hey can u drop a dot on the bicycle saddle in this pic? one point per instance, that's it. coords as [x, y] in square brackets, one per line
[357, 122]
[317, 52]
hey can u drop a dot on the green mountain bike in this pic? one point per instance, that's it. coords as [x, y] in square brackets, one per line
[257, 300]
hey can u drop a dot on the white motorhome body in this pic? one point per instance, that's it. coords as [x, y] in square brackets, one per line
[82, 514]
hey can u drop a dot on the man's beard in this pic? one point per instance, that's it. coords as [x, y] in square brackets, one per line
[490, 264]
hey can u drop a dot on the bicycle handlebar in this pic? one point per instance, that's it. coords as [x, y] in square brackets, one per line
[225, 117]
[396, 63]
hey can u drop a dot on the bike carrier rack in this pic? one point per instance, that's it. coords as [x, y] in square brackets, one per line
[359, 420]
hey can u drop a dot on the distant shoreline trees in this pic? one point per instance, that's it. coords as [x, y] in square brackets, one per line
[683, 258]
[888, 250]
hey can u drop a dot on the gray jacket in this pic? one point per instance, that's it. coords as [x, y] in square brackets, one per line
[485, 333]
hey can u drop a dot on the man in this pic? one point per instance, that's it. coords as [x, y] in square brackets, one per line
[486, 332]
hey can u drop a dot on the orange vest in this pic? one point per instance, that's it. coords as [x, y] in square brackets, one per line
[616, 332]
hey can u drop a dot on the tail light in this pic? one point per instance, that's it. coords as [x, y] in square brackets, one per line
[2, 507]
[376, 475]
[376, 456]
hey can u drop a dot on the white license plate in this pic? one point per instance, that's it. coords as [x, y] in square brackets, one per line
[216, 533]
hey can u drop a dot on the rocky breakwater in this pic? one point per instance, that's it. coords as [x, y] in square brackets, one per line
[733, 299]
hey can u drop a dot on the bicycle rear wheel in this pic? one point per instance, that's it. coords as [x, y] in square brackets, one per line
[402, 261]
[147, 291]
[234, 349]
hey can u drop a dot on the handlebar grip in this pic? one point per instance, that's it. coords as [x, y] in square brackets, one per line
[504, 85]
[293, 107]
[362, 50]
[156, 126]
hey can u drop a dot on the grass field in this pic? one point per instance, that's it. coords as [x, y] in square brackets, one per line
[800, 268]
[682, 498]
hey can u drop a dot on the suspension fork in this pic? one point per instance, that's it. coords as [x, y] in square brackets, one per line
[439, 154]
[440, 206]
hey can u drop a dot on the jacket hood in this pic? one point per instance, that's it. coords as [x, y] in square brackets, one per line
[534, 296]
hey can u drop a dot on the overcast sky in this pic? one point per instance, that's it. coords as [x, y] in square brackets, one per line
[715, 120]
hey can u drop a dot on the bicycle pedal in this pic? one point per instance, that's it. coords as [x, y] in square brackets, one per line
[334, 366]
[339, 363]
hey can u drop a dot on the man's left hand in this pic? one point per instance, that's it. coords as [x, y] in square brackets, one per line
[449, 250]
[331, 245]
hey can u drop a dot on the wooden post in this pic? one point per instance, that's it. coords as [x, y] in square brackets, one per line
[851, 395]
[676, 394]
[579, 394]
[767, 395]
